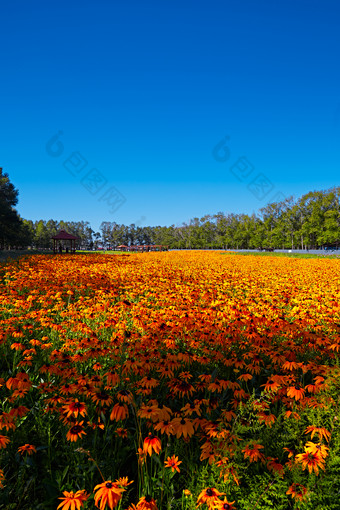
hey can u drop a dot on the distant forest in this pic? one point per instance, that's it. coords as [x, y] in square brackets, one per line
[307, 223]
[310, 222]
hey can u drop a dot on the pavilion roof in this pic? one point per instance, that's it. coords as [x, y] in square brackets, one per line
[63, 235]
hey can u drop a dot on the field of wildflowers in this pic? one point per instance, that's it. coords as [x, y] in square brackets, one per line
[169, 380]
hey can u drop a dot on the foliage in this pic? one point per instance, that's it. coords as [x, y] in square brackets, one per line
[12, 231]
[309, 222]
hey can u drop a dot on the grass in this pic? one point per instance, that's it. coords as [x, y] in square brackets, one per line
[6, 255]
[287, 255]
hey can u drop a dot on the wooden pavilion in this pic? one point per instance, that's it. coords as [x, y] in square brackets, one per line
[59, 242]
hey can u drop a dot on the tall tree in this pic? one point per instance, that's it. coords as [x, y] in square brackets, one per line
[10, 222]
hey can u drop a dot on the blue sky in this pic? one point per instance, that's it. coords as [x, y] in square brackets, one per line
[113, 111]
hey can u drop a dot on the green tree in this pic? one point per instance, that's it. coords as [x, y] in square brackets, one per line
[42, 237]
[10, 222]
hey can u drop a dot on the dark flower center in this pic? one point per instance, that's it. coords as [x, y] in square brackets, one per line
[109, 485]
[103, 396]
[76, 429]
[209, 492]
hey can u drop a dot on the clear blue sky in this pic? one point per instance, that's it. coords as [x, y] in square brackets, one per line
[143, 91]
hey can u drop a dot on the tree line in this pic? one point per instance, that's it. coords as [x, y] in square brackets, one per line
[309, 222]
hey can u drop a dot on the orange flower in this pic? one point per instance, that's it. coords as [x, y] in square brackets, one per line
[297, 491]
[312, 461]
[141, 456]
[102, 398]
[4, 440]
[320, 431]
[173, 463]
[223, 505]
[148, 382]
[314, 448]
[66, 389]
[146, 503]
[112, 379]
[75, 407]
[2, 479]
[20, 393]
[150, 412]
[268, 419]
[181, 388]
[209, 496]
[119, 412]
[295, 392]
[108, 493]
[27, 448]
[253, 452]
[165, 427]
[121, 432]
[163, 412]
[73, 501]
[98, 425]
[123, 482]
[152, 443]
[183, 427]
[191, 408]
[276, 467]
[76, 431]
[124, 396]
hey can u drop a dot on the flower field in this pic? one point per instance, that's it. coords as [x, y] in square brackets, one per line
[169, 380]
